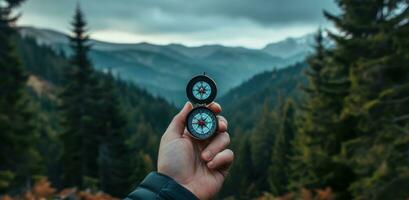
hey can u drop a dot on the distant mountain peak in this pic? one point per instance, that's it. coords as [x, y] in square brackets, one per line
[291, 47]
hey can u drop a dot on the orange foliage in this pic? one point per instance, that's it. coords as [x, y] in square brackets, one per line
[304, 194]
[42, 190]
[325, 194]
[97, 196]
[29, 196]
[5, 197]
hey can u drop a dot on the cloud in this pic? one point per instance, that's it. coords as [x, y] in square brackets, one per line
[196, 21]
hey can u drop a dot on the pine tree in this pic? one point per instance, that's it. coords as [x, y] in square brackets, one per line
[242, 165]
[80, 109]
[115, 166]
[374, 46]
[262, 141]
[321, 133]
[280, 170]
[17, 125]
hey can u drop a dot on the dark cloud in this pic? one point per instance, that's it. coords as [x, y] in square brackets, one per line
[173, 15]
[180, 16]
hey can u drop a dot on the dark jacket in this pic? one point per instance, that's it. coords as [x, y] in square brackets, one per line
[161, 187]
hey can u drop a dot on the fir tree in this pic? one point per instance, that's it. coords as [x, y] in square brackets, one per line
[321, 133]
[262, 141]
[373, 44]
[115, 167]
[280, 170]
[17, 125]
[80, 109]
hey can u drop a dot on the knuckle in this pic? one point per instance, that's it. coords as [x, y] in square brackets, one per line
[225, 139]
[229, 151]
[223, 119]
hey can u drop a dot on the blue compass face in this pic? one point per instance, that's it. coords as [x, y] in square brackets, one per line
[201, 90]
[201, 123]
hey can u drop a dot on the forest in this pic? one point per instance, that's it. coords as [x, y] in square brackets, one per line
[335, 126]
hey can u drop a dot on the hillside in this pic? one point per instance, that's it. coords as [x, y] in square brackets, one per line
[165, 69]
[243, 103]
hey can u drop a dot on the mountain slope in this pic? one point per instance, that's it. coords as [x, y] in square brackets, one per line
[243, 103]
[47, 70]
[164, 70]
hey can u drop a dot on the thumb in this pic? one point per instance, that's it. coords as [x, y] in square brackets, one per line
[177, 126]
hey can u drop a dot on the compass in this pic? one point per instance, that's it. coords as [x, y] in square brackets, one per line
[202, 123]
[201, 90]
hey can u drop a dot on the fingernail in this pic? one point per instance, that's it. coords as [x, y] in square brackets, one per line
[207, 155]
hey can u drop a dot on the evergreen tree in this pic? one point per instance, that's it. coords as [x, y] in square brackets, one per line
[373, 44]
[262, 141]
[80, 109]
[115, 167]
[321, 133]
[17, 125]
[280, 170]
[242, 165]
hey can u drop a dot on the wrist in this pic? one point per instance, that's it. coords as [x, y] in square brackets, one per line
[191, 189]
[185, 186]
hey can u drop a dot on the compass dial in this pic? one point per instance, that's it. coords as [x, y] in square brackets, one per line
[201, 123]
[201, 90]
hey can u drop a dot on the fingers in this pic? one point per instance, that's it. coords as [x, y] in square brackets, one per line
[215, 107]
[222, 124]
[217, 144]
[177, 126]
[222, 161]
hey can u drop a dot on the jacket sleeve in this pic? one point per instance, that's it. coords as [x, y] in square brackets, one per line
[160, 187]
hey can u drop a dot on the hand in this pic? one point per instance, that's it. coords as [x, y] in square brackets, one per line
[199, 166]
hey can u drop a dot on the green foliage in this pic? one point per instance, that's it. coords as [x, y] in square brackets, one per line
[6, 178]
[321, 132]
[114, 154]
[262, 139]
[268, 86]
[282, 154]
[42, 60]
[80, 106]
[375, 49]
[18, 136]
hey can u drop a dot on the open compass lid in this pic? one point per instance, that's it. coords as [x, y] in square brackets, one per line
[201, 89]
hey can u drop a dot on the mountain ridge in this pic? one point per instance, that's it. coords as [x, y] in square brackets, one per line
[164, 70]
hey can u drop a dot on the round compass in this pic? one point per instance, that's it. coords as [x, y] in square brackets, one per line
[201, 123]
[201, 90]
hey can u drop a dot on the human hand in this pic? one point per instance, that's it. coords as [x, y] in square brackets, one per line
[199, 166]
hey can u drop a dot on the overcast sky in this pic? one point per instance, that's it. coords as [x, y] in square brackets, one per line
[250, 23]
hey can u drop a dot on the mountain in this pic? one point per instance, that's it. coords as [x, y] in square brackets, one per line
[291, 47]
[164, 70]
[294, 49]
[242, 104]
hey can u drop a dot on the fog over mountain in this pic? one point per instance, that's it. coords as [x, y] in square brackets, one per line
[164, 70]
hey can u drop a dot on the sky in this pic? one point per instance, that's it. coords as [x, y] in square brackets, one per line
[248, 23]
